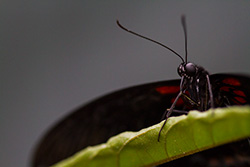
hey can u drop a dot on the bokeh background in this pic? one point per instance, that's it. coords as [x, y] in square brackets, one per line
[58, 55]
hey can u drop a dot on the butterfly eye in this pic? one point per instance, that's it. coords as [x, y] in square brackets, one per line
[181, 70]
[190, 69]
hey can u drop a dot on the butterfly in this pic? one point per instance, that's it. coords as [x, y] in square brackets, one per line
[137, 107]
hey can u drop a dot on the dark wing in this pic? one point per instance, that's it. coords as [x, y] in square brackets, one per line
[129, 109]
[230, 89]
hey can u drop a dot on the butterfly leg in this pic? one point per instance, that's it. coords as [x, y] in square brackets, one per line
[168, 113]
[174, 111]
[210, 92]
[190, 100]
[180, 111]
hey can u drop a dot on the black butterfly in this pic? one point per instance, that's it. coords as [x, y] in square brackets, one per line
[137, 107]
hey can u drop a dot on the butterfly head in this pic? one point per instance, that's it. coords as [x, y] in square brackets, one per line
[187, 69]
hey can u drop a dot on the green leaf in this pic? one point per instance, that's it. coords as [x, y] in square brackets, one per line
[181, 136]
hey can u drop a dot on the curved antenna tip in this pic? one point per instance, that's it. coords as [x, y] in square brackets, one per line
[118, 23]
[132, 32]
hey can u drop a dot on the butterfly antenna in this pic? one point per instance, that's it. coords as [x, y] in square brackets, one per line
[184, 26]
[118, 23]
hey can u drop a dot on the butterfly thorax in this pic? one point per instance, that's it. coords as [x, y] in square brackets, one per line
[194, 86]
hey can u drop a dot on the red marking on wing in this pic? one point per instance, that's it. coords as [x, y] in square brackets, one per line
[237, 92]
[180, 102]
[240, 93]
[231, 81]
[240, 99]
[187, 93]
[225, 88]
[168, 89]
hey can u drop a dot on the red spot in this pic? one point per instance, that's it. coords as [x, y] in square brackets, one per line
[232, 81]
[240, 99]
[239, 93]
[225, 88]
[187, 93]
[179, 102]
[168, 89]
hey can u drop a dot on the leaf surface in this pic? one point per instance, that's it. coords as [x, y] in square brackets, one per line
[181, 136]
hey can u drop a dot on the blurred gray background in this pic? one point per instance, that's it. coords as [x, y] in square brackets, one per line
[58, 55]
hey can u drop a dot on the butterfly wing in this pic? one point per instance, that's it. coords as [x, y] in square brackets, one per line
[129, 109]
[230, 89]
